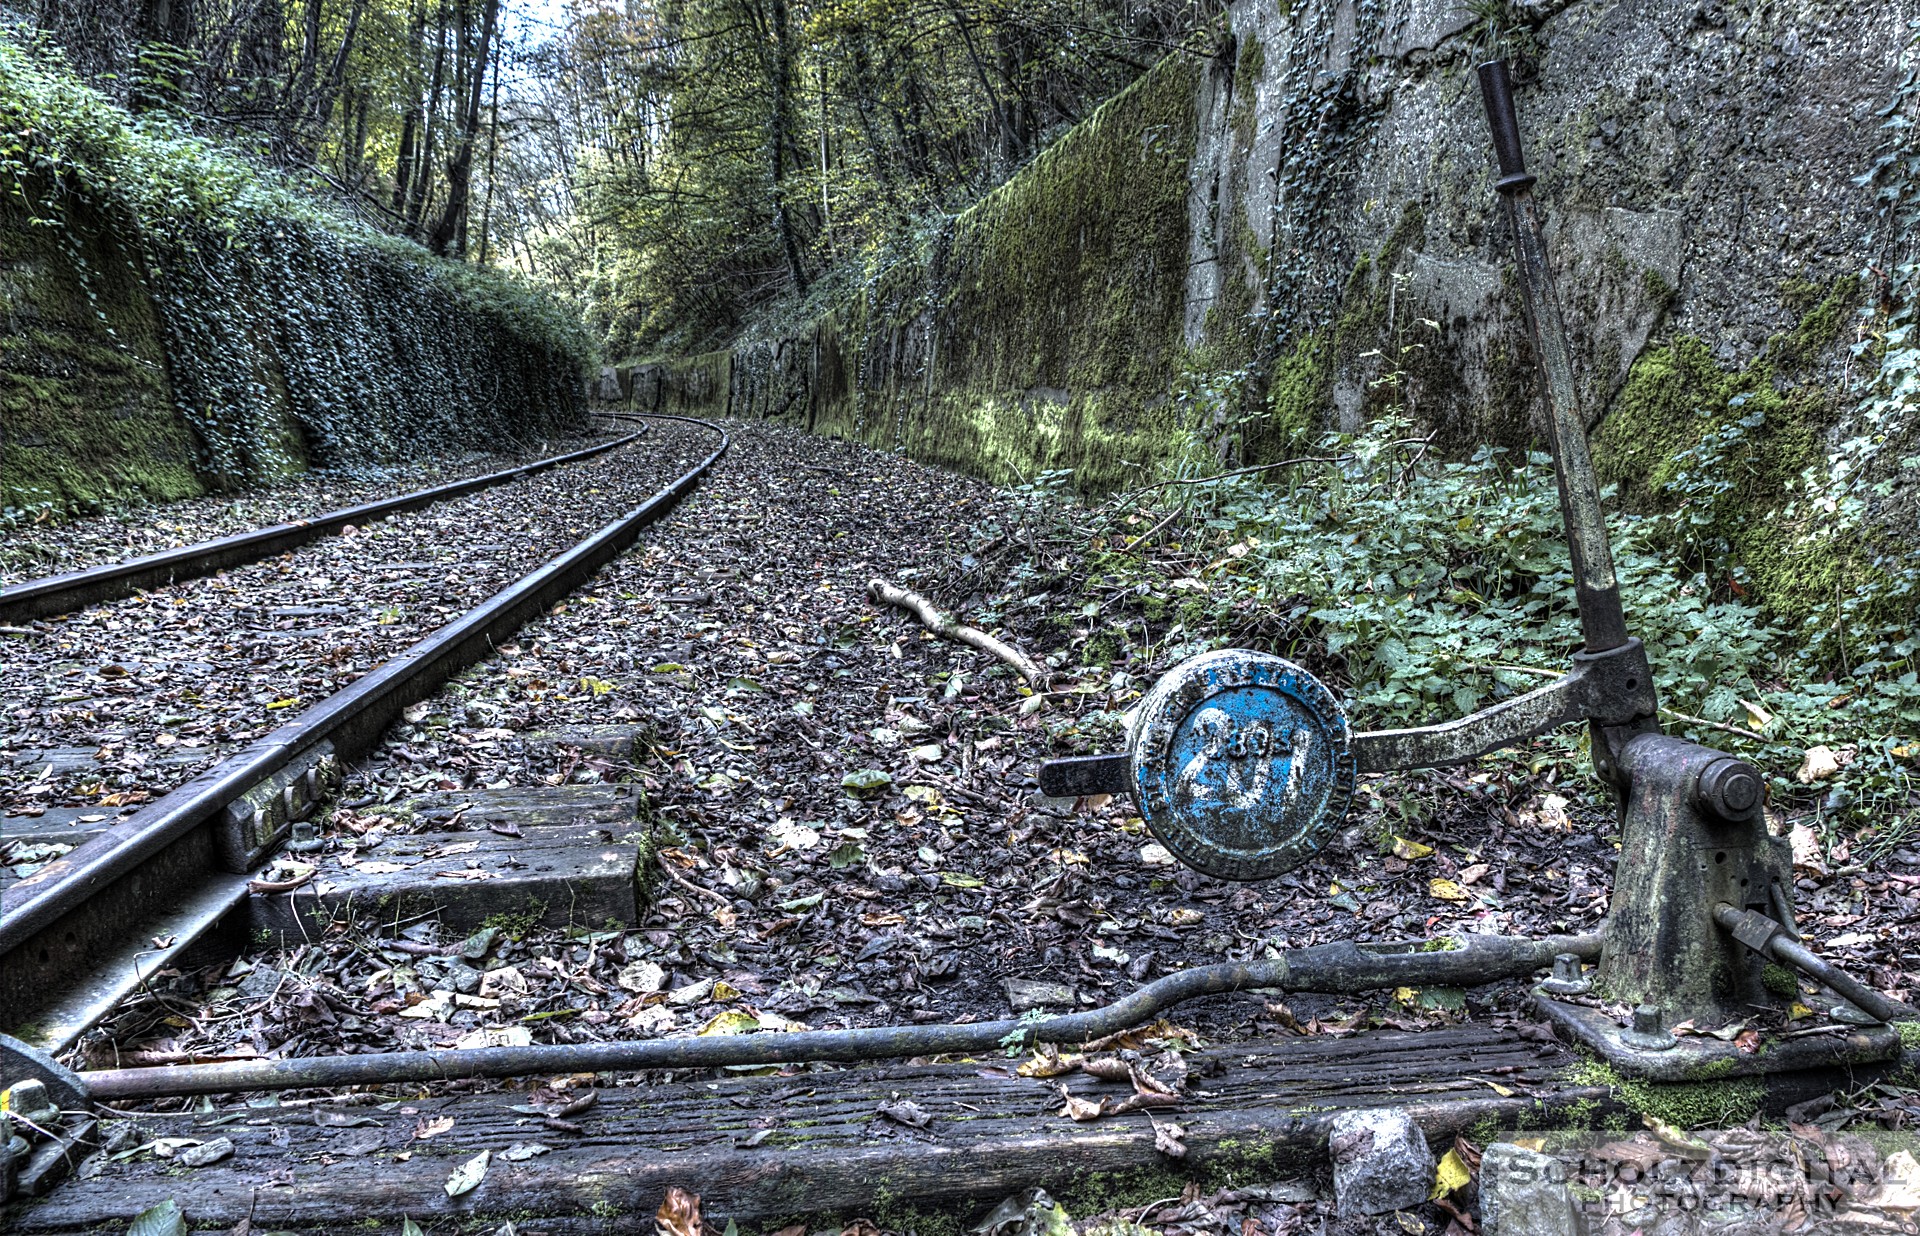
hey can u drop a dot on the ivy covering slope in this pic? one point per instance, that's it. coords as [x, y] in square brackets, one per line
[181, 279]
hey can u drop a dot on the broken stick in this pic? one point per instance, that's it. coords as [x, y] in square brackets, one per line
[946, 628]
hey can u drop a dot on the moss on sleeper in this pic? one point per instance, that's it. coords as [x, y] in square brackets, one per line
[1713, 1103]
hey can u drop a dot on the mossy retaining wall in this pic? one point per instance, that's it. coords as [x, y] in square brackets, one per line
[208, 361]
[85, 415]
[1038, 330]
[1298, 229]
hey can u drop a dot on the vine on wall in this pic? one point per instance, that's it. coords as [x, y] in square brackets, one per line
[291, 332]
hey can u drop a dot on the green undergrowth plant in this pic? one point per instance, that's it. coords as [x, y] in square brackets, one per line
[291, 332]
[1424, 588]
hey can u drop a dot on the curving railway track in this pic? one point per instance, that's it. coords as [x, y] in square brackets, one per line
[93, 922]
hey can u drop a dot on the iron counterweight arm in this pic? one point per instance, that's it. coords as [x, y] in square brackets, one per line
[1611, 688]
[1602, 621]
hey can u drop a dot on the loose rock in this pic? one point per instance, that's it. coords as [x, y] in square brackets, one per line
[1524, 1193]
[1380, 1162]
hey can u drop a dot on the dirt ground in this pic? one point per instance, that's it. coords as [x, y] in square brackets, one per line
[843, 826]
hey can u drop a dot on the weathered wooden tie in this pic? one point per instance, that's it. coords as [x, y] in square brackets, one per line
[561, 856]
[762, 1150]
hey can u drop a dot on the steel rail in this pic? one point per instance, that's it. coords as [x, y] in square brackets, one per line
[1343, 967]
[61, 594]
[61, 893]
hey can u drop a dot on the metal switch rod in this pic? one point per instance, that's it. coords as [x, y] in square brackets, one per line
[1340, 967]
[1768, 938]
[1602, 621]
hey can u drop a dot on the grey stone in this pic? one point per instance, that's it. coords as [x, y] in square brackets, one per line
[1381, 1161]
[206, 1153]
[475, 947]
[465, 979]
[1026, 995]
[1524, 1193]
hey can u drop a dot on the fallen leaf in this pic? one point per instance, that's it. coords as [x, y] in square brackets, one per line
[1452, 1174]
[1819, 764]
[679, 1214]
[1807, 851]
[1447, 890]
[469, 1175]
[432, 1128]
[1410, 850]
[206, 1154]
[1048, 1062]
[1679, 1139]
[162, 1220]
[908, 1113]
[1167, 1139]
[642, 976]
[1077, 1108]
[520, 1152]
[733, 1021]
[866, 781]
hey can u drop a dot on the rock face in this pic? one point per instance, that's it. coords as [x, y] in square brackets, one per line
[1310, 209]
[1380, 1162]
[1695, 160]
[1524, 1193]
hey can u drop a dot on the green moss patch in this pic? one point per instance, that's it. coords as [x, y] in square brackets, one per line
[1775, 419]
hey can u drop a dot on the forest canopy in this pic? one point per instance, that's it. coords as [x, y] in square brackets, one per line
[672, 164]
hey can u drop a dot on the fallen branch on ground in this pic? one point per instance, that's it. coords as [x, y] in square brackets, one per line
[690, 886]
[946, 628]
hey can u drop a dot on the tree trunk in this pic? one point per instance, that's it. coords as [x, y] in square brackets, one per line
[779, 123]
[460, 166]
[422, 186]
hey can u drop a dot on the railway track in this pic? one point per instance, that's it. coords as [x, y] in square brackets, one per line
[468, 891]
[64, 593]
[137, 894]
[122, 701]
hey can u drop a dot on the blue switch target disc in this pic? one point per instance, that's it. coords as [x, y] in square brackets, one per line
[1242, 763]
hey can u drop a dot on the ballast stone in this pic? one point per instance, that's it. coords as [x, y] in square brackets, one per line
[1381, 1161]
[1524, 1193]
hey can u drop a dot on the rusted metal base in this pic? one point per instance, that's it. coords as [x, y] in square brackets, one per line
[1694, 1058]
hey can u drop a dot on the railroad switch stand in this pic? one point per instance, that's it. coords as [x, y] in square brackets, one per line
[1242, 764]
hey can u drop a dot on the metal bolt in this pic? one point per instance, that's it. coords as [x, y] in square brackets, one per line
[306, 837]
[1728, 788]
[1567, 978]
[1649, 1030]
[28, 1096]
